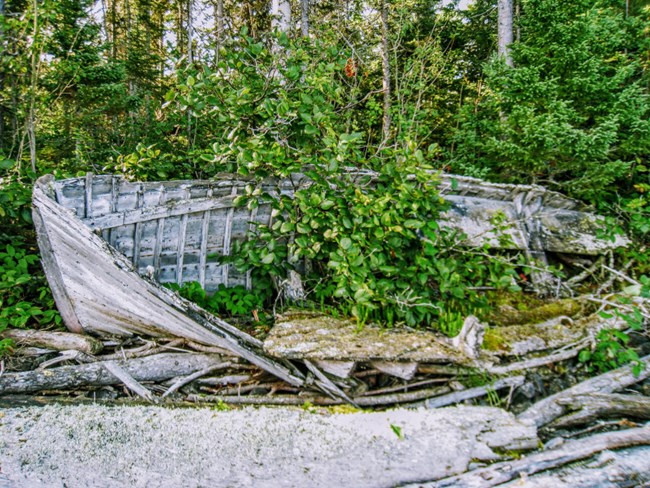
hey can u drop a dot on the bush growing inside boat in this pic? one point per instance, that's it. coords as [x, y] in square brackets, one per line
[375, 249]
[236, 301]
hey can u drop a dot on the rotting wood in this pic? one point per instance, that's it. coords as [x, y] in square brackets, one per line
[550, 408]
[59, 341]
[129, 381]
[106, 294]
[479, 391]
[571, 451]
[590, 407]
[557, 332]
[152, 368]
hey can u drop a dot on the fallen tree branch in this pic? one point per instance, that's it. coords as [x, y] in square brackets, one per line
[72, 355]
[194, 376]
[320, 400]
[548, 409]
[459, 396]
[152, 368]
[569, 452]
[59, 341]
[129, 381]
[594, 406]
[541, 361]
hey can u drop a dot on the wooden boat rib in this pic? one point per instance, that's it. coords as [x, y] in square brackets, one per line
[108, 244]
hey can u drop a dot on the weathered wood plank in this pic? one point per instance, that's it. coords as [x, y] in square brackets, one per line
[203, 253]
[88, 196]
[170, 209]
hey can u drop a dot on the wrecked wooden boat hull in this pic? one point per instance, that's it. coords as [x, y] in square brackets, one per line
[108, 244]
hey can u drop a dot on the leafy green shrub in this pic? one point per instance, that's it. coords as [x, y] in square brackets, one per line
[235, 301]
[611, 349]
[25, 298]
[375, 247]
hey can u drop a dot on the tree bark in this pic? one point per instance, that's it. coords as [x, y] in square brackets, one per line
[505, 29]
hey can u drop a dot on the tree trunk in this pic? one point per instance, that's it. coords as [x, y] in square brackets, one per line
[505, 33]
[218, 17]
[280, 15]
[2, 74]
[190, 33]
[385, 71]
[304, 19]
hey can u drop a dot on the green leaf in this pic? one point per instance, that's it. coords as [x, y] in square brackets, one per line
[413, 224]
[327, 204]
[303, 228]
[346, 243]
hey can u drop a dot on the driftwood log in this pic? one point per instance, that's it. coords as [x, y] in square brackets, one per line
[626, 468]
[58, 341]
[550, 408]
[571, 451]
[152, 368]
[590, 407]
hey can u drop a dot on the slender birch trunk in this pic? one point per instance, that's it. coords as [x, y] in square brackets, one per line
[505, 29]
[385, 64]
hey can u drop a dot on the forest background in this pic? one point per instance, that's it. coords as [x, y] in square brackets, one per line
[554, 93]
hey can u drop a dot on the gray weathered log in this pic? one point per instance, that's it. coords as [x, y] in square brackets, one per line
[593, 406]
[571, 451]
[59, 341]
[153, 368]
[550, 408]
[627, 468]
